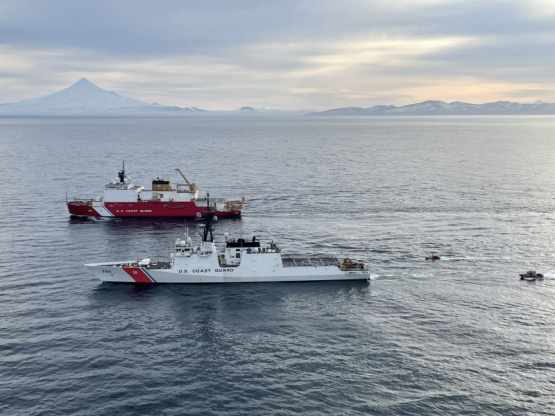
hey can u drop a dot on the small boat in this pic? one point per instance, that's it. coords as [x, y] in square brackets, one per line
[433, 257]
[531, 275]
[240, 261]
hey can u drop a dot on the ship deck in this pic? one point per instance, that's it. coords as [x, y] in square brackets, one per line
[286, 261]
[160, 264]
[309, 261]
[212, 200]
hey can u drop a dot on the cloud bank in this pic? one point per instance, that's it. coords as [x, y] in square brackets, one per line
[287, 54]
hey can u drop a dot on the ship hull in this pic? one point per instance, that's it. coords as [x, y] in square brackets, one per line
[109, 272]
[142, 209]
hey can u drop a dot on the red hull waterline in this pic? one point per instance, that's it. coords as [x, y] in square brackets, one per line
[146, 209]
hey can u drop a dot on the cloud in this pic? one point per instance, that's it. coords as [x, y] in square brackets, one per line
[140, 27]
[308, 53]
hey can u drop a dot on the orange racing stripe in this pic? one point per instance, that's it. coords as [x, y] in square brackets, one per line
[137, 274]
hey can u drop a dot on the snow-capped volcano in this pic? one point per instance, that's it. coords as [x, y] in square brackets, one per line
[85, 98]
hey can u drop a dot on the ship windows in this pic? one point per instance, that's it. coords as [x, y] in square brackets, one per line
[110, 205]
[130, 205]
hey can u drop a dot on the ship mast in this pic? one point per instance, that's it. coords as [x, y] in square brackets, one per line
[209, 222]
[122, 173]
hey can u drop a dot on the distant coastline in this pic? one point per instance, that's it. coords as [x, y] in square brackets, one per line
[85, 99]
[440, 108]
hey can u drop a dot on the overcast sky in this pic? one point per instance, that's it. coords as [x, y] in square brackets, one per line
[304, 54]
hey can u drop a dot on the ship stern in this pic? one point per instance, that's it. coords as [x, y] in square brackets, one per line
[82, 208]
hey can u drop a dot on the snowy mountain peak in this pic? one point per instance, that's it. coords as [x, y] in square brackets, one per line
[86, 87]
[86, 91]
[86, 98]
[83, 82]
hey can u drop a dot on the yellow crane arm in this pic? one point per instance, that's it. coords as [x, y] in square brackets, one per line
[192, 186]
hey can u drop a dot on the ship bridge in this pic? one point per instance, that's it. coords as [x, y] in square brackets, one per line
[235, 250]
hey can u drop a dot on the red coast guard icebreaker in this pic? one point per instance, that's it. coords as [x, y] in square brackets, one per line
[122, 198]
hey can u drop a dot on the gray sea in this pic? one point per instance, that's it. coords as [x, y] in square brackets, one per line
[462, 335]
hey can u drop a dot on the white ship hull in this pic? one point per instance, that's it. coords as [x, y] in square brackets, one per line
[115, 273]
[241, 262]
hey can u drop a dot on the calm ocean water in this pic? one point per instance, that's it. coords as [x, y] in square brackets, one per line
[458, 336]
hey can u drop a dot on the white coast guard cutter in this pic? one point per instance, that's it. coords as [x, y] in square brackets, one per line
[241, 261]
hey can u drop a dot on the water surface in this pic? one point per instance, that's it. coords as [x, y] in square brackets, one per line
[458, 336]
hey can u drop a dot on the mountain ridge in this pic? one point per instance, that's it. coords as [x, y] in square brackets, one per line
[436, 107]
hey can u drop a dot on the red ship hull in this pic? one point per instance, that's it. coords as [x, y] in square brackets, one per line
[144, 209]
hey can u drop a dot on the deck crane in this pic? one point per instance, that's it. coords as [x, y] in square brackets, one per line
[192, 186]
